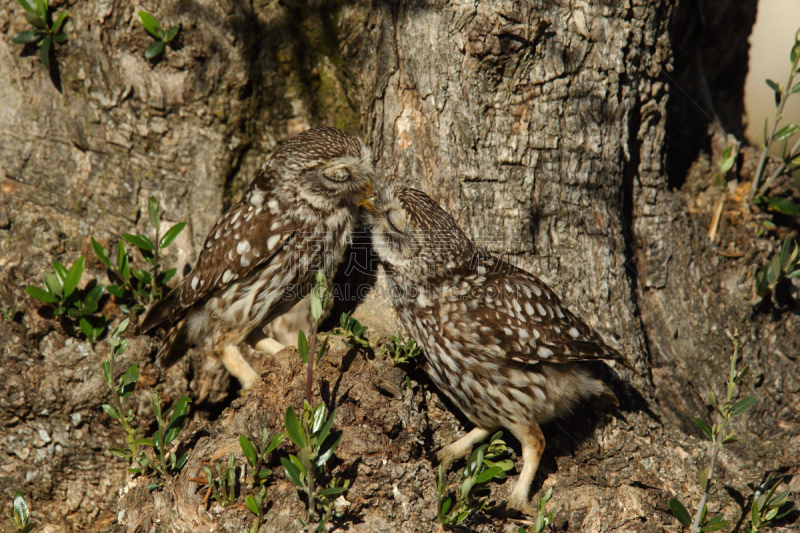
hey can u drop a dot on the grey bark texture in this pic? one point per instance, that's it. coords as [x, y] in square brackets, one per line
[554, 132]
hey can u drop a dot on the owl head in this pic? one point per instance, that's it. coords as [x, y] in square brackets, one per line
[326, 167]
[410, 232]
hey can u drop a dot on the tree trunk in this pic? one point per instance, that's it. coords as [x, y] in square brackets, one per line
[562, 135]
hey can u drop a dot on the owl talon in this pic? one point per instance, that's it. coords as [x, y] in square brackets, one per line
[460, 448]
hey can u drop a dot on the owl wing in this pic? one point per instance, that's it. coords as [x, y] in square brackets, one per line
[248, 236]
[522, 319]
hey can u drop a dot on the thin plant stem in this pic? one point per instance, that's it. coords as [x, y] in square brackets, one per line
[704, 499]
[763, 159]
[779, 171]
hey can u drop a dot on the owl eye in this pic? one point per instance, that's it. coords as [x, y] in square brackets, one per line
[336, 174]
[397, 220]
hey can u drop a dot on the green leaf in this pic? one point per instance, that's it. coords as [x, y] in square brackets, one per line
[794, 53]
[773, 85]
[171, 33]
[21, 507]
[116, 291]
[702, 478]
[35, 20]
[87, 329]
[251, 504]
[318, 418]
[26, 6]
[488, 474]
[26, 37]
[293, 428]
[292, 472]
[41, 7]
[140, 241]
[95, 294]
[326, 429]
[171, 233]
[275, 442]
[680, 512]
[118, 452]
[154, 49]
[59, 21]
[705, 427]
[182, 461]
[782, 205]
[727, 160]
[144, 442]
[715, 526]
[60, 37]
[795, 89]
[785, 132]
[316, 303]
[151, 24]
[44, 51]
[73, 277]
[302, 345]
[122, 255]
[128, 381]
[155, 402]
[328, 447]
[332, 491]
[248, 450]
[40, 294]
[167, 275]
[142, 275]
[111, 410]
[179, 412]
[742, 406]
[154, 211]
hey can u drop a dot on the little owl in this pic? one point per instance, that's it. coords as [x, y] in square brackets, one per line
[499, 343]
[260, 258]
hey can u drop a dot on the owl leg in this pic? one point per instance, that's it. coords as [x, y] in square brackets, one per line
[460, 448]
[263, 344]
[532, 448]
[238, 367]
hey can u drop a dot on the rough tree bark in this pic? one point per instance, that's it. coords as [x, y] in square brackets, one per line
[555, 132]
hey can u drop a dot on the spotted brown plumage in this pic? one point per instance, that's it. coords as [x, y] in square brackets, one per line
[260, 257]
[499, 342]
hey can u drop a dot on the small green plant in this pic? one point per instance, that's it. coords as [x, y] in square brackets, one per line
[168, 429]
[255, 502]
[140, 286]
[768, 506]
[43, 34]
[791, 158]
[60, 293]
[317, 442]
[401, 351]
[719, 437]
[20, 514]
[256, 453]
[223, 486]
[725, 165]
[8, 313]
[784, 265]
[352, 331]
[542, 519]
[485, 464]
[120, 390]
[154, 28]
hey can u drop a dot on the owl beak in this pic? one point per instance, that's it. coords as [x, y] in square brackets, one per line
[366, 203]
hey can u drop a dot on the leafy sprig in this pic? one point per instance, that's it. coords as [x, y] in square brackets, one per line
[719, 437]
[784, 265]
[400, 350]
[43, 34]
[61, 294]
[20, 514]
[154, 28]
[140, 286]
[317, 441]
[485, 464]
[352, 331]
[768, 506]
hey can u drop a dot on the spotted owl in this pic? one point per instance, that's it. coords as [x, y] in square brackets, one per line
[499, 342]
[260, 258]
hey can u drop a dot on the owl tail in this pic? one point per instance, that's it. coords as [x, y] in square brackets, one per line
[175, 345]
[159, 313]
